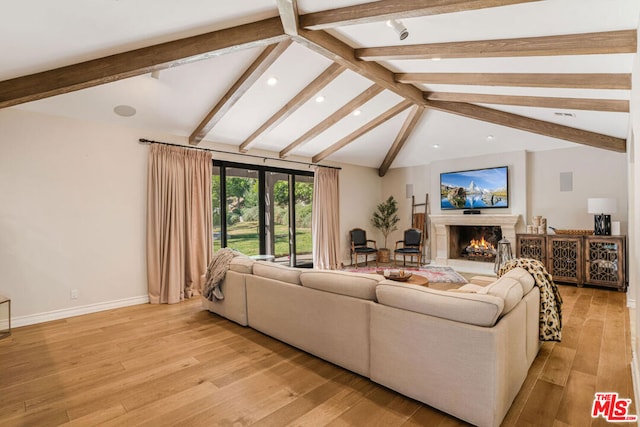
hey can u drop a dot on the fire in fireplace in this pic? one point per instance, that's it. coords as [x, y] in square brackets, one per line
[474, 243]
[480, 249]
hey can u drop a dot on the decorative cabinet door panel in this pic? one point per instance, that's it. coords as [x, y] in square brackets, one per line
[565, 258]
[604, 261]
[532, 246]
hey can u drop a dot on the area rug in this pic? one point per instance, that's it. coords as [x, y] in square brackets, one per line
[434, 273]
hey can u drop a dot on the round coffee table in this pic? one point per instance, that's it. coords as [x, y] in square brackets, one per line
[416, 279]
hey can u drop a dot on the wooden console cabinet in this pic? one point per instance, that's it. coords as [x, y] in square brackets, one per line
[593, 260]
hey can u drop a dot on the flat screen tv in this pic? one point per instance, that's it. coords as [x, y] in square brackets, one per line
[475, 189]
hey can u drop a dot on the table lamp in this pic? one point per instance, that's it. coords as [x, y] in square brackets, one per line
[602, 208]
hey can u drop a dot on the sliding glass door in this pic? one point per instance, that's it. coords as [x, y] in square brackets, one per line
[216, 202]
[303, 198]
[277, 225]
[242, 210]
[263, 211]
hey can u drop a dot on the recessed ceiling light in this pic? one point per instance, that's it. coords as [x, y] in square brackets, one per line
[436, 58]
[124, 110]
[436, 146]
[357, 112]
[489, 137]
[272, 81]
[320, 98]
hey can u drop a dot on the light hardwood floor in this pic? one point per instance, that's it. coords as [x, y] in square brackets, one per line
[180, 365]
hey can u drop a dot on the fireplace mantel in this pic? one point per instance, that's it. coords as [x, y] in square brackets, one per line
[441, 225]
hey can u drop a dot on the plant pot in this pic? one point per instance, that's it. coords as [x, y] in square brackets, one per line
[383, 255]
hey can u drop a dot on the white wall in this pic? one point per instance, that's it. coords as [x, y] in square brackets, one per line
[72, 213]
[596, 173]
[359, 196]
[394, 184]
[634, 219]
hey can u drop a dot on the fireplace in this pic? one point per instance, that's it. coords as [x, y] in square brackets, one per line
[447, 250]
[474, 242]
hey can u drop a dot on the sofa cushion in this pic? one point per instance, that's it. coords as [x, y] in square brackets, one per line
[524, 277]
[482, 280]
[469, 287]
[242, 264]
[357, 285]
[507, 288]
[274, 271]
[471, 308]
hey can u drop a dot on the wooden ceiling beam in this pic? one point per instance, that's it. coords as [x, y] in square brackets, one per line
[139, 61]
[382, 118]
[555, 80]
[288, 10]
[334, 118]
[393, 9]
[405, 132]
[530, 125]
[296, 102]
[338, 51]
[268, 56]
[610, 105]
[623, 41]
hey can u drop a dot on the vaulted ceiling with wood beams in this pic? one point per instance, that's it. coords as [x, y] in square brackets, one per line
[385, 84]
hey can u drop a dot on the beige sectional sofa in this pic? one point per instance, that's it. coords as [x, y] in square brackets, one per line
[465, 352]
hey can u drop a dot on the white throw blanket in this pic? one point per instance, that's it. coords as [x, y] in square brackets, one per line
[215, 273]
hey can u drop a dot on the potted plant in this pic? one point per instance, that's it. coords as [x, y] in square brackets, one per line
[385, 219]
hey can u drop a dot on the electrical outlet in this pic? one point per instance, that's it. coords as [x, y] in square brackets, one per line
[74, 294]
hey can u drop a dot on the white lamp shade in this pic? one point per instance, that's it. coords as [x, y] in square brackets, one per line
[602, 206]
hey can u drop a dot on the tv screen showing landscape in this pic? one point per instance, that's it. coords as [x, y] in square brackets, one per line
[475, 189]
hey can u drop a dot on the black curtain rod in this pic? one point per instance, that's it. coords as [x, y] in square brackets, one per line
[264, 158]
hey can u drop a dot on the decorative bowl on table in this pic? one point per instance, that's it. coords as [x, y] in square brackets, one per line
[397, 275]
[572, 232]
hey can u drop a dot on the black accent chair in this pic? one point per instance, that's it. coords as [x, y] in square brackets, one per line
[359, 245]
[411, 245]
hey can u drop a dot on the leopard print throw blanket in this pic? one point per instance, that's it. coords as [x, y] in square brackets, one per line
[215, 273]
[550, 299]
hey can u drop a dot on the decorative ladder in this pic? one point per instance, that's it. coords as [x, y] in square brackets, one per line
[420, 220]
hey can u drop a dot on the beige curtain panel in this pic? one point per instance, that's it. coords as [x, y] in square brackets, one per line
[325, 222]
[179, 215]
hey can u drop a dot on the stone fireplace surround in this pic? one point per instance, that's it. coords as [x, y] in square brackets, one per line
[440, 229]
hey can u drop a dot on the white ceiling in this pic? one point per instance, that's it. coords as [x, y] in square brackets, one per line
[37, 35]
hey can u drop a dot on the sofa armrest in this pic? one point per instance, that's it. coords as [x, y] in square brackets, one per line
[242, 264]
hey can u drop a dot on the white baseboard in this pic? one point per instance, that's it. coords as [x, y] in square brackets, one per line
[76, 311]
[634, 376]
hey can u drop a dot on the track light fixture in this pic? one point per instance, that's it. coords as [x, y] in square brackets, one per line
[399, 28]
